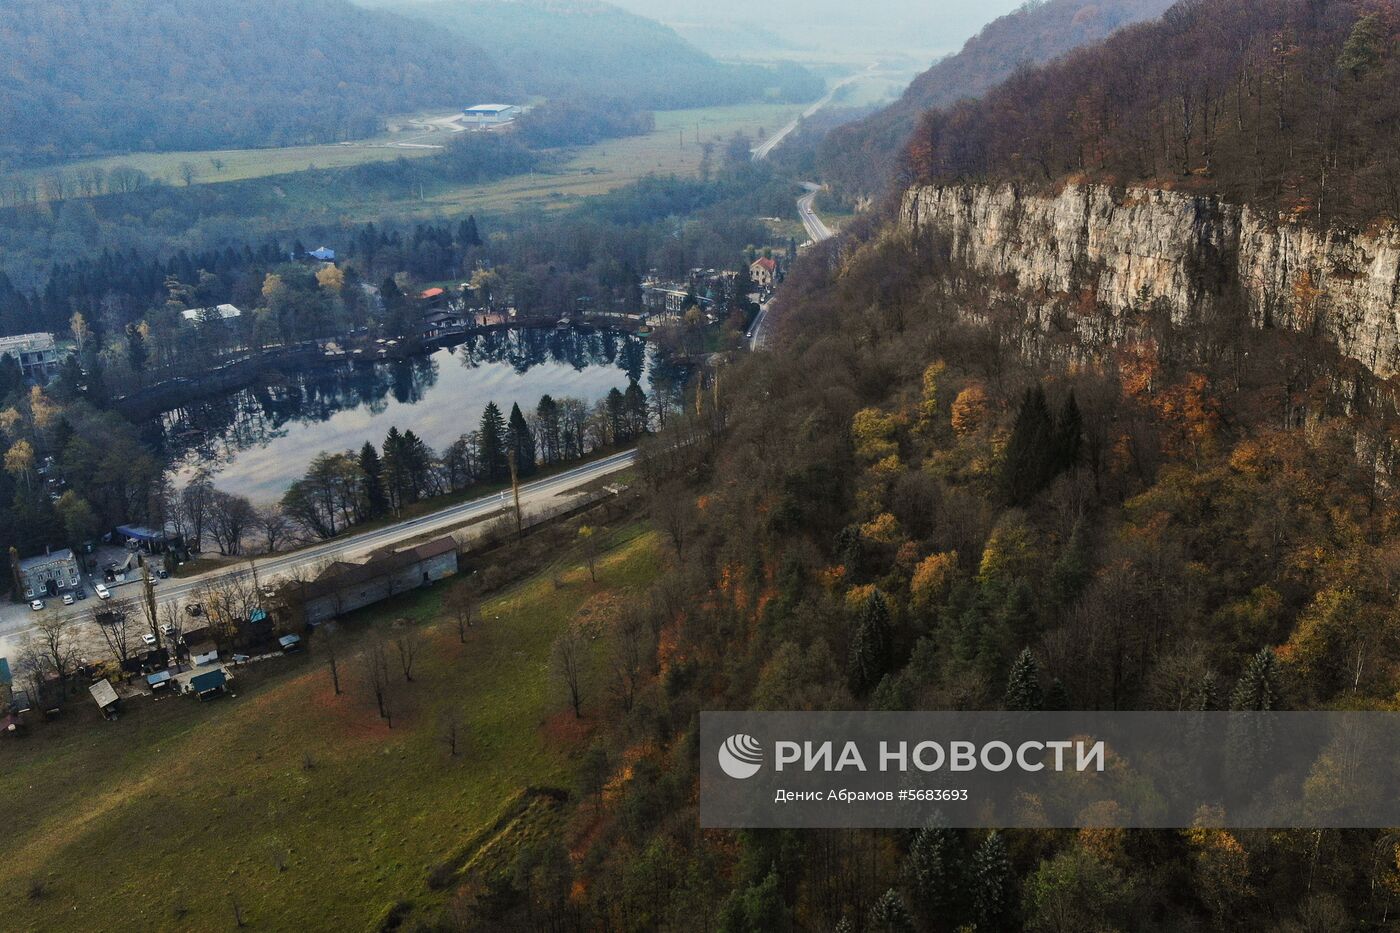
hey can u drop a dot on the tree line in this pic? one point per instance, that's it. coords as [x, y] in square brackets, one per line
[343, 489]
[1286, 106]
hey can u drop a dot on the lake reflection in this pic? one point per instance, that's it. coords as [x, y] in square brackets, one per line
[257, 441]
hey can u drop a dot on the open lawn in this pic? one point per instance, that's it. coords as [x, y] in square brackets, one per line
[670, 149]
[406, 138]
[303, 807]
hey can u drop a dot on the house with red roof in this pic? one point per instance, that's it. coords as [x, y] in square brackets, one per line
[764, 272]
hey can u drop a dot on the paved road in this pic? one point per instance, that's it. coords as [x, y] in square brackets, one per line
[763, 149]
[16, 621]
[818, 231]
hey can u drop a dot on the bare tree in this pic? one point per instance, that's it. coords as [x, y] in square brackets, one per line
[230, 519]
[588, 536]
[627, 657]
[374, 667]
[148, 602]
[188, 173]
[115, 623]
[227, 600]
[172, 622]
[461, 605]
[405, 638]
[328, 640]
[54, 641]
[568, 660]
[194, 507]
[33, 667]
[671, 509]
[275, 526]
[452, 732]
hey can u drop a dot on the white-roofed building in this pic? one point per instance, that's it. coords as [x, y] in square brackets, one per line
[223, 312]
[490, 114]
[38, 354]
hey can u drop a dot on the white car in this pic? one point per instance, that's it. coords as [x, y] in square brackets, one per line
[37, 605]
[68, 599]
[102, 591]
[167, 630]
[149, 639]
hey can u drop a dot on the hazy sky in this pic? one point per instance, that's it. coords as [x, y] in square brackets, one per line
[929, 26]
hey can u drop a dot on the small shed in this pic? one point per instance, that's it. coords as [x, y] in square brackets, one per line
[208, 684]
[207, 653]
[105, 695]
[289, 643]
[159, 680]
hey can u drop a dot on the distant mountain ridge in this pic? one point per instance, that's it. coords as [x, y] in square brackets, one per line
[91, 76]
[586, 48]
[862, 158]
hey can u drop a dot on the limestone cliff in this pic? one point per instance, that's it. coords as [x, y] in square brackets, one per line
[1193, 254]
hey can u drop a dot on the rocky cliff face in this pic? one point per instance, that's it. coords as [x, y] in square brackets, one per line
[1195, 255]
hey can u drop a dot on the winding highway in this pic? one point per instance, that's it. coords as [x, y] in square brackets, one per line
[763, 149]
[818, 231]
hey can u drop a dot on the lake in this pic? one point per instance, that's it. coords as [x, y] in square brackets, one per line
[256, 442]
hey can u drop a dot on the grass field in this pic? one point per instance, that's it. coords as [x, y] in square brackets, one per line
[243, 164]
[671, 148]
[301, 805]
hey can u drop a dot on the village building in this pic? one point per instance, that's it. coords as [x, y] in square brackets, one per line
[209, 684]
[490, 114]
[38, 355]
[345, 587]
[223, 312]
[48, 574]
[764, 272]
[105, 696]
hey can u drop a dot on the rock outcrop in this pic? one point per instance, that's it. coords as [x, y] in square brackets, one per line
[1196, 255]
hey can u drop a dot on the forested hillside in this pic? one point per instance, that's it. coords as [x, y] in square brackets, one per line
[944, 506]
[92, 76]
[584, 48]
[861, 159]
[1289, 106]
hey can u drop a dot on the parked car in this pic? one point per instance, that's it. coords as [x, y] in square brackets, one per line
[102, 591]
[164, 574]
[82, 594]
[37, 605]
[167, 630]
[68, 599]
[194, 609]
[149, 639]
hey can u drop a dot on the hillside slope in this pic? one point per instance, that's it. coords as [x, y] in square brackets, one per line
[584, 48]
[92, 76]
[861, 159]
[1287, 106]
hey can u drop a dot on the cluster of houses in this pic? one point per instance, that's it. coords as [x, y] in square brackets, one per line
[195, 660]
[667, 300]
